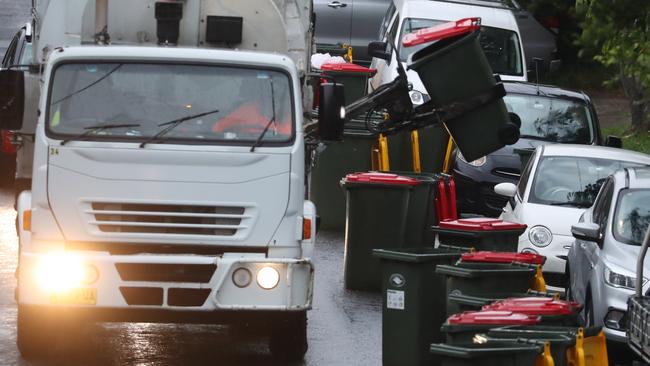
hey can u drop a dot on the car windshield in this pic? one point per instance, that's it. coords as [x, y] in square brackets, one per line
[146, 96]
[632, 216]
[501, 46]
[552, 119]
[571, 181]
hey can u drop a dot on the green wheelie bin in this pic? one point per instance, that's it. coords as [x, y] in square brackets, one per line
[413, 302]
[462, 328]
[517, 353]
[460, 303]
[481, 233]
[353, 77]
[552, 311]
[493, 280]
[455, 71]
[378, 209]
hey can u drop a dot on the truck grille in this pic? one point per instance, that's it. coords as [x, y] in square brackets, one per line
[167, 219]
[157, 272]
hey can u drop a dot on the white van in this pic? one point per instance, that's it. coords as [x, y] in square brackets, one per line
[500, 39]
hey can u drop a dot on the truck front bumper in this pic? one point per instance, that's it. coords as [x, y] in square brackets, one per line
[149, 284]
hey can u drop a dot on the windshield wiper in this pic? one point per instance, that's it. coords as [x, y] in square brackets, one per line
[536, 138]
[173, 124]
[97, 128]
[271, 121]
[573, 204]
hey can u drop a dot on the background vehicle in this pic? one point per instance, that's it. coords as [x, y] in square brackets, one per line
[499, 37]
[557, 185]
[601, 264]
[156, 194]
[351, 22]
[548, 114]
[19, 56]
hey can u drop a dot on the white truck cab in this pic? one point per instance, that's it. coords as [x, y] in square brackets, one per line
[500, 39]
[169, 179]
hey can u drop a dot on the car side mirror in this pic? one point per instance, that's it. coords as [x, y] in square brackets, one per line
[554, 66]
[12, 99]
[614, 141]
[506, 189]
[586, 231]
[379, 50]
[331, 112]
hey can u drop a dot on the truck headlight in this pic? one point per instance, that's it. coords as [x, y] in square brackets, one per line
[540, 236]
[417, 98]
[63, 271]
[268, 277]
[477, 163]
[242, 277]
[619, 280]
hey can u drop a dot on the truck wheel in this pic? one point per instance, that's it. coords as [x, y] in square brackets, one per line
[34, 333]
[289, 337]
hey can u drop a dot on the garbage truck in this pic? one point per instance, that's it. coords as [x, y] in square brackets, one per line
[168, 178]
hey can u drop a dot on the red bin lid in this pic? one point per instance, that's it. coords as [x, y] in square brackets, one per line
[348, 68]
[382, 178]
[503, 257]
[480, 224]
[493, 317]
[535, 306]
[441, 31]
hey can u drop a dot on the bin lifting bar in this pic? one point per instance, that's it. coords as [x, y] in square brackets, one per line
[590, 351]
[546, 358]
[415, 150]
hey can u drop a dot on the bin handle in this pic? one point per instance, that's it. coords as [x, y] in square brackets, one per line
[639, 262]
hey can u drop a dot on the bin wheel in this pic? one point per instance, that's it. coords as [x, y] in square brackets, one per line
[509, 134]
[35, 333]
[288, 342]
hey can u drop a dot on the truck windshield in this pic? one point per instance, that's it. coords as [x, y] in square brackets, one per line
[144, 97]
[552, 119]
[632, 216]
[571, 181]
[501, 46]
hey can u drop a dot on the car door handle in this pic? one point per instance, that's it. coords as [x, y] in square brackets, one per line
[337, 5]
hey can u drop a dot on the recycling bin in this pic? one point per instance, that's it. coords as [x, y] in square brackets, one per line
[421, 210]
[413, 302]
[481, 233]
[568, 344]
[353, 77]
[462, 328]
[491, 280]
[538, 284]
[460, 303]
[552, 311]
[455, 69]
[338, 159]
[377, 208]
[433, 140]
[487, 354]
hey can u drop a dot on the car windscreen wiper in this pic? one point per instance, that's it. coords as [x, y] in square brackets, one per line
[97, 128]
[532, 137]
[173, 124]
[573, 204]
[271, 121]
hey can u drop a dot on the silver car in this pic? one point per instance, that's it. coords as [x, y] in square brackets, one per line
[602, 262]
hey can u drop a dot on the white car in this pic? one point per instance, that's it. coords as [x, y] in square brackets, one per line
[500, 39]
[602, 261]
[558, 184]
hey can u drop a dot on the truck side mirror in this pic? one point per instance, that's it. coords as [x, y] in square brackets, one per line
[12, 99]
[331, 112]
[379, 50]
[614, 141]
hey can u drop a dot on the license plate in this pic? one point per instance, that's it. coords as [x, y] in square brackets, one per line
[79, 296]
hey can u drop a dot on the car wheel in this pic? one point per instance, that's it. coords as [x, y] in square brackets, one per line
[288, 341]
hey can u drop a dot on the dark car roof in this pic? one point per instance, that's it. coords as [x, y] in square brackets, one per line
[545, 90]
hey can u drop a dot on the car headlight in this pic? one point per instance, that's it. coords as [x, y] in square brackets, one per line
[619, 280]
[268, 278]
[477, 163]
[59, 272]
[540, 236]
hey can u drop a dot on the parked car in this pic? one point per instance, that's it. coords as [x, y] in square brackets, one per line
[548, 114]
[601, 265]
[18, 54]
[499, 38]
[558, 184]
[352, 22]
